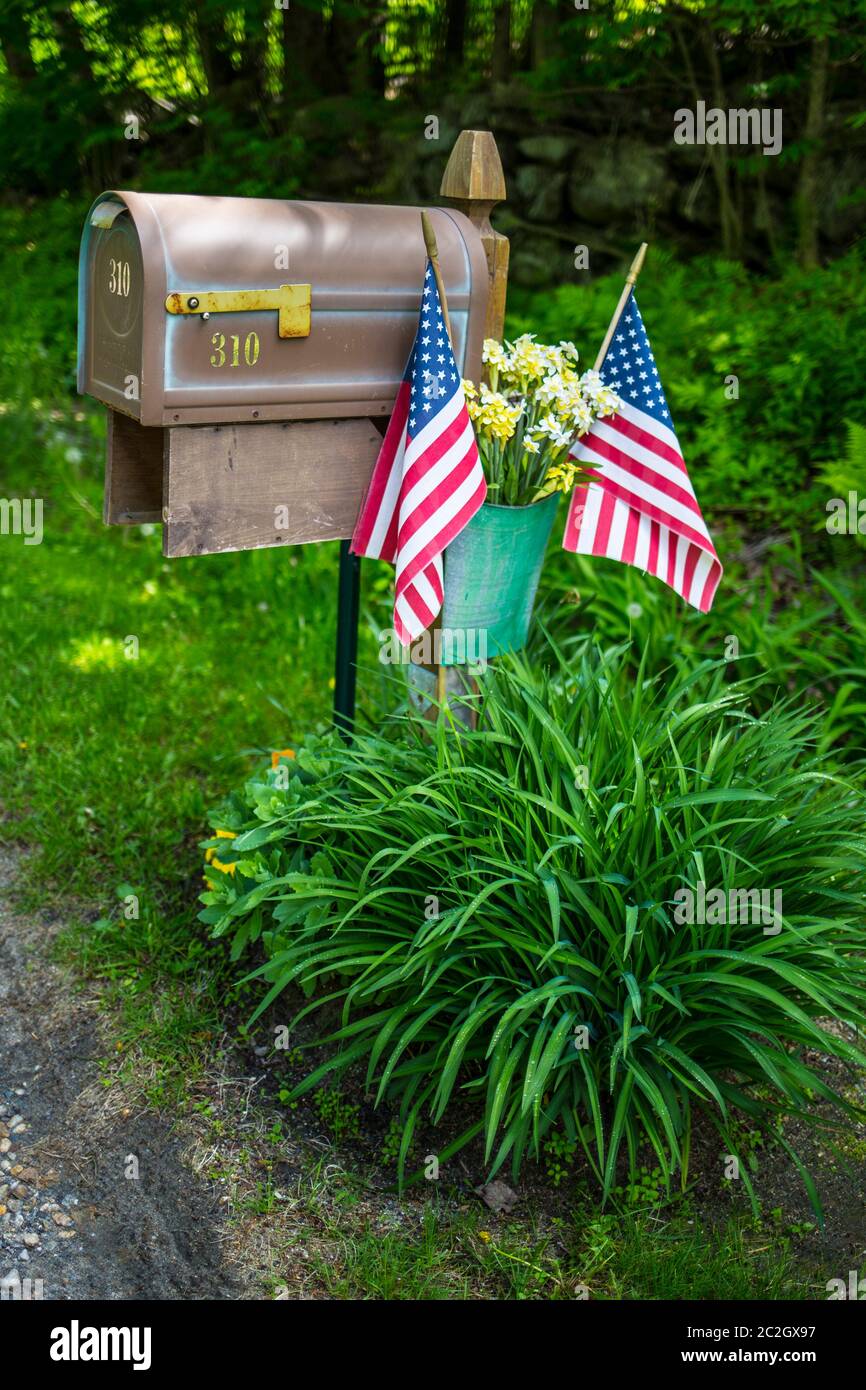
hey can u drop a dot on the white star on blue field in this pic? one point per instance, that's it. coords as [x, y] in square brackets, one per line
[630, 368]
[432, 370]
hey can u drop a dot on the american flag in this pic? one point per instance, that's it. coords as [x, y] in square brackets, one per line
[428, 481]
[640, 506]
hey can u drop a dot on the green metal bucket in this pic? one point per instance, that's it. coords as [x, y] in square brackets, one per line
[492, 571]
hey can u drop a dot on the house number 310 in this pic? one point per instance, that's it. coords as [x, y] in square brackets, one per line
[246, 350]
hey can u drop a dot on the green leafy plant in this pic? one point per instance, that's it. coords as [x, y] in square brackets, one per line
[644, 1188]
[847, 476]
[553, 839]
[339, 1115]
[559, 1153]
[796, 630]
[391, 1142]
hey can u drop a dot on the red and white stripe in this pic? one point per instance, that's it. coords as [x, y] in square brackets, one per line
[640, 507]
[424, 490]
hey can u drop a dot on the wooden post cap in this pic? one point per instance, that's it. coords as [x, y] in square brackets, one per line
[474, 170]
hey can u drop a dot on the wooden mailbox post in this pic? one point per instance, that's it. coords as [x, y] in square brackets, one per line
[250, 352]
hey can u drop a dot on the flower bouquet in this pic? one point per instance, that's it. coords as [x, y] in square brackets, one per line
[526, 422]
[529, 417]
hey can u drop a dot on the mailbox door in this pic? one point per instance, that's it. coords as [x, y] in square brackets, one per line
[111, 309]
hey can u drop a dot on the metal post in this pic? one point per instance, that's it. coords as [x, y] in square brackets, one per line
[348, 604]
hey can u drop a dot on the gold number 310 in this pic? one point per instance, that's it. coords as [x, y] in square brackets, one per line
[219, 357]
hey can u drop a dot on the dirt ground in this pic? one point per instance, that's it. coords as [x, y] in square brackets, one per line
[71, 1216]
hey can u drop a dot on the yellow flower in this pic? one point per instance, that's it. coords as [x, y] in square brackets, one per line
[529, 361]
[485, 1236]
[215, 863]
[494, 415]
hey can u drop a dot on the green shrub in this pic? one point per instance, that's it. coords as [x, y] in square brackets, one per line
[471, 901]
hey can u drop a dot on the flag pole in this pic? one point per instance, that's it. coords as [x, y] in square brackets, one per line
[433, 256]
[629, 285]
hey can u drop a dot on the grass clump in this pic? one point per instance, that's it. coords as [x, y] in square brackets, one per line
[493, 913]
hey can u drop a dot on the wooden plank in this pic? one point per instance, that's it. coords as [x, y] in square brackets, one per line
[240, 487]
[474, 182]
[133, 472]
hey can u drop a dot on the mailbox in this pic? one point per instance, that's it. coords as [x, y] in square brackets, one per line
[245, 346]
[250, 351]
[207, 310]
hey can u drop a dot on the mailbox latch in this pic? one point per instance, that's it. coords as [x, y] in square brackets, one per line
[292, 303]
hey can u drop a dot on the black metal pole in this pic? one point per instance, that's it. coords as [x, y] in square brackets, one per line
[348, 604]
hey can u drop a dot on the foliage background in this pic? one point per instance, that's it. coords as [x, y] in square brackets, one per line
[333, 99]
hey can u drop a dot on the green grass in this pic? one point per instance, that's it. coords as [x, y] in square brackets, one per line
[107, 764]
[655, 1255]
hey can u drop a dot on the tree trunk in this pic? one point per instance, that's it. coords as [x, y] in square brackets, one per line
[543, 33]
[717, 155]
[349, 64]
[501, 65]
[15, 42]
[455, 32]
[808, 193]
[254, 61]
[304, 66]
[732, 231]
[215, 56]
[92, 109]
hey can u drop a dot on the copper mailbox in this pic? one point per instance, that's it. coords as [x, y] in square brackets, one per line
[197, 310]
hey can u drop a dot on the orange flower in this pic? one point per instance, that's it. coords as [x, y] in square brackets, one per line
[277, 754]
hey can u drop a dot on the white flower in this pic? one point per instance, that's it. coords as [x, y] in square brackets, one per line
[550, 389]
[494, 354]
[581, 414]
[591, 384]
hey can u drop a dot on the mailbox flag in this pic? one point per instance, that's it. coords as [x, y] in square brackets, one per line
[428, 481]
